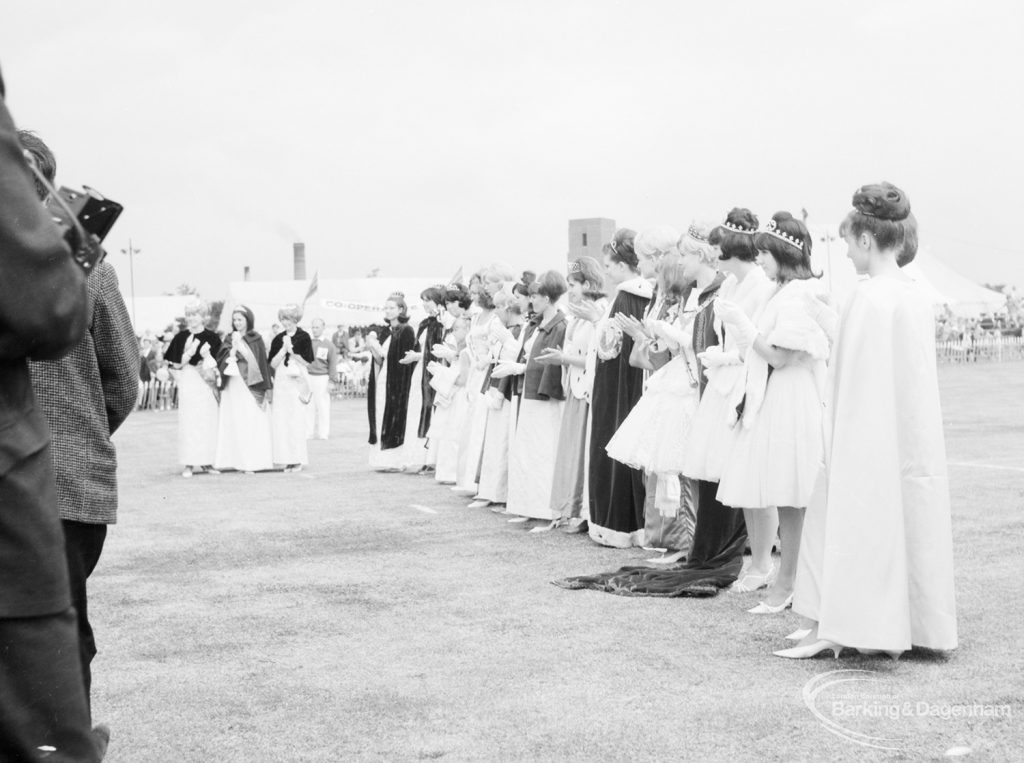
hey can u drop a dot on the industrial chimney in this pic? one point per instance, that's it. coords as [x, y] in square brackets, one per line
[299, 259]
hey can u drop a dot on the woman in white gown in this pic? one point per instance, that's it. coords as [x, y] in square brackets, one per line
[749, 288]
[777, 451]
[587, 304]
[446, 423]
[244, 432]
[876, 565]
[486, 334]
[192, 352]
[532, 456]
[291, 351]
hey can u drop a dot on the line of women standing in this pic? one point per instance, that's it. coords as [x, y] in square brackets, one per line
[240, 407]
[704, 412]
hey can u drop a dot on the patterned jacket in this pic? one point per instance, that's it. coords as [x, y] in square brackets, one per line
[85, 397]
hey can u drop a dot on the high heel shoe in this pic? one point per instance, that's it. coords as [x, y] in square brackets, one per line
[799, 634]
[768, 609]
[749, 583]
[810, 650]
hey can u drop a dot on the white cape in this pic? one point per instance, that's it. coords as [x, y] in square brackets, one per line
[876, 561]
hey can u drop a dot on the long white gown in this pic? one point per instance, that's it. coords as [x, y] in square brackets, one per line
[244, 432]
[471, 444]
[532, 453]
[288, 417]
[876, 555]
[197, 419]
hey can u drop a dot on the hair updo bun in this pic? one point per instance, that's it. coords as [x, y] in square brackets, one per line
[736, 236]
[883, 210]
[882, 200]
[620, 248]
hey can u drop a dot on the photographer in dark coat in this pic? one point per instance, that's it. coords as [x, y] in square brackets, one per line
[85, 396]
[42, 315]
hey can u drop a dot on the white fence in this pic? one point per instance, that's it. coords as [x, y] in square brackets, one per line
[986, 349]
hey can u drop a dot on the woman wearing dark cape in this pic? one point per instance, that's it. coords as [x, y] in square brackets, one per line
[420, 404]
[719, 536]
[429, 333]
[387, 394]
[244, 431]
[616, 498]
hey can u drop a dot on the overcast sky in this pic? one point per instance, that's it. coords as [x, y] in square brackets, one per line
[420, 136]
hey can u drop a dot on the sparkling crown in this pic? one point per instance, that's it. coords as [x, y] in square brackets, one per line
[773, 230]
[738, 228]
[696, 233]
[574, 267]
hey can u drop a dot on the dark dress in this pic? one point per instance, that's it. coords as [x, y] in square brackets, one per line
[398, 383]
[430, 332]
[616, 491]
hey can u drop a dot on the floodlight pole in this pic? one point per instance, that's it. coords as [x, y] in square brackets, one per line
[131, 251]
[828, 238]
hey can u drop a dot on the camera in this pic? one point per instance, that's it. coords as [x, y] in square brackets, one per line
[86, 218]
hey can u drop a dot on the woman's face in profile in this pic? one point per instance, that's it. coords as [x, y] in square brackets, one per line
[768, 264]
[648, 265]
[857, 254]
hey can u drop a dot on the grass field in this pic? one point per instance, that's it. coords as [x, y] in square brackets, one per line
[321, 616]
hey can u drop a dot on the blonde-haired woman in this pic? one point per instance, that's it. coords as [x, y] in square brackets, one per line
[487, 335]
[192, 353]
[291, 352]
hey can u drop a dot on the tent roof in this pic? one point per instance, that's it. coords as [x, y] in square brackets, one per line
[346, 301]
[947, 287]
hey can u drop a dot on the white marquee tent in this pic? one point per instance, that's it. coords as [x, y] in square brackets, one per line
[346, 301]
[948, 288]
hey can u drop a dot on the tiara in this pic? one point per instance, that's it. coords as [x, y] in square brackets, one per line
[574, 267]
[696, 233]
[400, 294]
[738, 228]
[773, 230]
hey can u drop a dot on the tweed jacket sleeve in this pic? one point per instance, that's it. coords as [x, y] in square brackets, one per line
[117, 350]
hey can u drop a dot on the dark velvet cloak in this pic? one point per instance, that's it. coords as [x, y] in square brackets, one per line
[396, 394]
[176, 349]
[540, 381]
[256, 377]
[302, 345]
[616, 491]
[429, 333]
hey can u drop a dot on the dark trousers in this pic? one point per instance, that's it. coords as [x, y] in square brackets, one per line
[83, 544]
[41, 697]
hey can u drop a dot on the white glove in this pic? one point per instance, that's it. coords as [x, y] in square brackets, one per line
[820, 309]
[444, 352]
[504, 369]
[737, 321]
